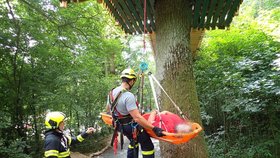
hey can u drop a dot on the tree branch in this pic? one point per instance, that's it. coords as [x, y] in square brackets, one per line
[100, 152]
[40, 12]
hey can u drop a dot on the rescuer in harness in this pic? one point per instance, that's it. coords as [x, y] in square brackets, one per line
[57, 144]
[127, 119]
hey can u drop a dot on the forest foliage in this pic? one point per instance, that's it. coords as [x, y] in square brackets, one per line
[62, 59]
[238, 79]
[53, 59]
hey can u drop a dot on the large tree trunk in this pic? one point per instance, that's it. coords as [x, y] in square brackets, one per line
[174, 63]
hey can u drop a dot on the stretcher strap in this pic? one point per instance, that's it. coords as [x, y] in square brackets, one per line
[152, 77]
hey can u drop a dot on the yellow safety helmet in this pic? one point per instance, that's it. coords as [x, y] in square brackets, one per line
[128, 73]
[53, 119]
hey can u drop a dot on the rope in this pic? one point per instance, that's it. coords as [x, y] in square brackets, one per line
[144, 21]
[151, 77]
[143, 67]
[154, 91]
[138, 94]
[156, 102]
[142, 91]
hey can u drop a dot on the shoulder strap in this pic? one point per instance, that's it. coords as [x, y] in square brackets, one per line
[114, 101]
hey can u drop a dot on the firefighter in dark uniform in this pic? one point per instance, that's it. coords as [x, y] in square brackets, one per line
[128, 120]
[57, 144]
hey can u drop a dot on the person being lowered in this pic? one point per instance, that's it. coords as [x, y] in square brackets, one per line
[169, 121]
[128, 120]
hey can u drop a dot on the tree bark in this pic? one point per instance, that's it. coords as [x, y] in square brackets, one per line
[174, 63]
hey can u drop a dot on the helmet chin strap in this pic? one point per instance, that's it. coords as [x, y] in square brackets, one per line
[58, 130]
[130, 86]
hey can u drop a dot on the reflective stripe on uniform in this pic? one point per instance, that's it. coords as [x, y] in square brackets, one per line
[131, 147]
[80, 138]
[151, 152]
[64, 154]
[69, 139]
[51, 153]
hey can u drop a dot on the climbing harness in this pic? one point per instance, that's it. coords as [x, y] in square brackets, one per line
[118, 122]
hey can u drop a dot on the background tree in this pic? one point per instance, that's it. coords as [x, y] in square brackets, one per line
[52, 59]
[237, 74]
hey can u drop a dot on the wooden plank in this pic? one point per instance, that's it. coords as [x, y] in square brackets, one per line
[126, 20]
[135, 14]
[150, 16]
[204, 10]
[148, 26]
[196, 14]
[141, 13]
[233, 9]
[226, 9]
[206, 14]
[217, 13]
[210, 13]
[152, 4]
[117, 16]
[129, 16]
[196, 38]
[153, 42]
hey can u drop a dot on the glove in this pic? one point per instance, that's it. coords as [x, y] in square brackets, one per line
[158, 131]
[90, 130]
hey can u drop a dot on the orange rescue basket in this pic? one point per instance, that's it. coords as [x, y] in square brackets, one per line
[174, 138]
